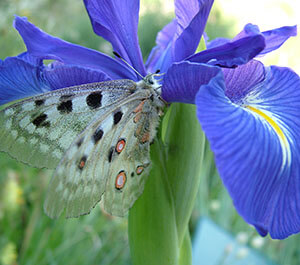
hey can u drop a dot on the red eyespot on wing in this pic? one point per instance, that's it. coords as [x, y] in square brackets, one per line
[120, 180]
[120, 146]
[139, 170]
[82, 162]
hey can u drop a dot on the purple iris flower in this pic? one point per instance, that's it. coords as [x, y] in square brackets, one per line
[250, 113]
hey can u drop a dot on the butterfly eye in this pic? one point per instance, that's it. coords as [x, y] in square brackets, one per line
[139, 170]
[120, 180]
[120, 146]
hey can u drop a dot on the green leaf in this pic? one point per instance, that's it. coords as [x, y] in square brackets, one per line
[151, 222]
[158, 222]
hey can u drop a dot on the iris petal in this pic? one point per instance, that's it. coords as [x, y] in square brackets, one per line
[180, 38]
[191, 20]
[61, 76]
[231, 54]
[276, 37]
[273, 38]
[183, 80]
[21, 79]
[163, 40]
[256, 146]
[44, 46]
[117, 22]
[237, 88]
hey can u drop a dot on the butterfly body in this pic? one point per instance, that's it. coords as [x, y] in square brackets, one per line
[96, 135]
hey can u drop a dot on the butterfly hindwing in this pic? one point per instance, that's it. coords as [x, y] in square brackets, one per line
[40, 129]
[110, 158]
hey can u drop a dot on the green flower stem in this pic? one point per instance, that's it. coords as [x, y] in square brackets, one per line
[158, 221]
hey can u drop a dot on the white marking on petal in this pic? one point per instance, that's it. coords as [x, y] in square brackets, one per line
[280, 130]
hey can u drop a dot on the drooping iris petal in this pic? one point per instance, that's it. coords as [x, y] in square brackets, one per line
[21, 79]
[276, 37]
[233, 53]
[216, 42]
[61, 76]
[44, 46]
[183, 80]
[256, 146]
[273, 38]
[191, 20]
[117, 22]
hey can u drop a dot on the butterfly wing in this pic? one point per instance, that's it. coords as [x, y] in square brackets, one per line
[39, 130]
[111, 156]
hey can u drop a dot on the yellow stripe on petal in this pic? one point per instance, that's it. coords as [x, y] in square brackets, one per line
[282, 137]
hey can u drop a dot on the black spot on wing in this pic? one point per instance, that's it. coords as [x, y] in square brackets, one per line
[65, 107]
[41, 121]
[94, 99]
[66, 97]
[39, 102]
[110, 153]
[97, 135]
[79, 143]
[117, 117]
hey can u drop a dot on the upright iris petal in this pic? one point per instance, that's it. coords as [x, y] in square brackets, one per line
[181, 37]
[117, 22]
[253, 131]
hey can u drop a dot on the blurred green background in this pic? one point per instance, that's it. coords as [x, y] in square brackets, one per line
[27, 235]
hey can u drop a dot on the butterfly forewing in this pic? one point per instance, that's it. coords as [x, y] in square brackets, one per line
[40, 129]
[107, 157]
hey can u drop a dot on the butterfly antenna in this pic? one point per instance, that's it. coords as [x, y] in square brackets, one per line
[121, 58]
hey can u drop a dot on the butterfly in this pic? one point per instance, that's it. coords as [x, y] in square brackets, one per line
[97, 138]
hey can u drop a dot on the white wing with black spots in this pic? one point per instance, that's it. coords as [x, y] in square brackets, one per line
[109, 159]
[39, 130]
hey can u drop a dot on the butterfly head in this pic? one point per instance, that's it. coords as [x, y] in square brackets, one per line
[150, 83]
